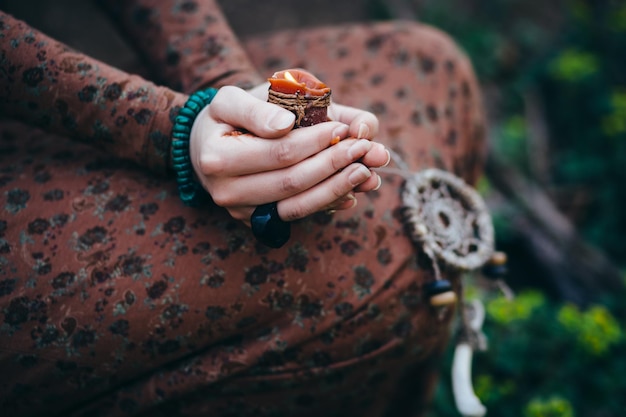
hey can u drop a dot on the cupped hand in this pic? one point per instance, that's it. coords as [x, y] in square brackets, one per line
[245, 153]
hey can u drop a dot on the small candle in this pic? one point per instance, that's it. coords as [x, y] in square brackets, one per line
[302, 93]
[297, 81]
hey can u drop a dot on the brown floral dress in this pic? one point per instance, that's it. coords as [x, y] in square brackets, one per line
[115, 299]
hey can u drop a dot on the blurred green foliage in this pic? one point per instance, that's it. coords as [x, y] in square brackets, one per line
[595, 329]
[552, 407]
[573, 66]
[572, 53]
[503, 312]
[546, 359]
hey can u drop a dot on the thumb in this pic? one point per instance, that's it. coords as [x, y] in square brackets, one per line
[240, 109]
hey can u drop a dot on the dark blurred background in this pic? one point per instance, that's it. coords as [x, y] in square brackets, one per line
[554, 81]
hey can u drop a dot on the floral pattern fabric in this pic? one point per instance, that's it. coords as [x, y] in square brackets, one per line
[115, 299]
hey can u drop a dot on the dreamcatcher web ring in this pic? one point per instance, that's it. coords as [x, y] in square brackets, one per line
[448, 219]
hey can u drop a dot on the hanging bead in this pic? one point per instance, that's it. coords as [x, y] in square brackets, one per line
[440, 293]
[496, 268]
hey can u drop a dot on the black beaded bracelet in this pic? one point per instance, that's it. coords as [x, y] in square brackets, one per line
[189, 190]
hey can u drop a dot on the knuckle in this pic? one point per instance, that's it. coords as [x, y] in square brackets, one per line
[290, 184]
[369, 119]
[281, 152]
[340, 157]
[222, 197]
[340, 189]
[298, 211]
[212, 164]
[237, 215]
[337, 163]
[226, 90]
[220, 97]
[217, 198]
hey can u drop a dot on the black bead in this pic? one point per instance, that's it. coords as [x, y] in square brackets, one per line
[494, 271]
[267, 226]
[437, 287]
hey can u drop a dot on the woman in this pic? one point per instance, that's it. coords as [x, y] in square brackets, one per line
[117, 299]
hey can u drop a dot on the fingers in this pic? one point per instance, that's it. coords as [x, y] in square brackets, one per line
[363, 124]
[246, 154]
[310, 201]
[335, 193]
[279, 184]
[348, 201]
[377, 157]
[271, 162]
[371, 184]
[236, 107]
[322, 195]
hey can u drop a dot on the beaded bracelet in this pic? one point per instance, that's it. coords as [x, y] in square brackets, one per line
[189, 190]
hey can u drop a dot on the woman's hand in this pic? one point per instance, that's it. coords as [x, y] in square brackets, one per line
[245, 153]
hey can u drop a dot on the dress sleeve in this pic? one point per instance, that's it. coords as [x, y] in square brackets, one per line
[188, 43]
[45, 83]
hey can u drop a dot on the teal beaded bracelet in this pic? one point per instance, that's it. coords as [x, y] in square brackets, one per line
[189, 190]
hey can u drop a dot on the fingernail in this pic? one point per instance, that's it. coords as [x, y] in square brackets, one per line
[359, 148]
[380, 182]
[388, 158]
[359, 175]
[354, 200]
[340, 131]
[348, 197]
[281, 120]
[363, 131]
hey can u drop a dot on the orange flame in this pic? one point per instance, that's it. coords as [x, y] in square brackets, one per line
[289, 77]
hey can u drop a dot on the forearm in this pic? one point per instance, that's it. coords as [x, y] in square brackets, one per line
[189, 44]
[45, 83]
